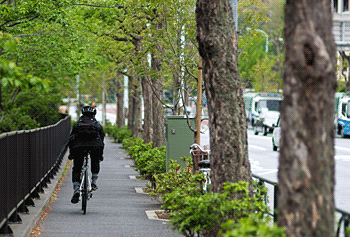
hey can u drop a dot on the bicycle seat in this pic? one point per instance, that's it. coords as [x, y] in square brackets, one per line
[204, 164]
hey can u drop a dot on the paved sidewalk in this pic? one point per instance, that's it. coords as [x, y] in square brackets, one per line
[116, 209]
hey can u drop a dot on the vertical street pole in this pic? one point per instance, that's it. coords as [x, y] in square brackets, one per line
[234, 6]
[78, 97]
[116, 99]
[199, 103]
[103, 101]
[126, 96]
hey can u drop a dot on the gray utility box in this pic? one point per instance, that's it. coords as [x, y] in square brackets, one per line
[179, 138]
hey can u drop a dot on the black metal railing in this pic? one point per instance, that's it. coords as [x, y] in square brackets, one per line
[28, 160]
[344, 217]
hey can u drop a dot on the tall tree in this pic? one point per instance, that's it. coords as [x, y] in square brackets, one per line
[216, 36]
[120, 101]
[136, 112]
[306, 167]
[131, 94]
[148, 119]
[157, 96]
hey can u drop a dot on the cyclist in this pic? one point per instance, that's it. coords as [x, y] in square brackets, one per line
[87, 135]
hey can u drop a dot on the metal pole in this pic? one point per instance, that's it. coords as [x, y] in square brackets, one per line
[199, 103]
[275, 202]
[103, 101]
[234, 6]
[78, 98]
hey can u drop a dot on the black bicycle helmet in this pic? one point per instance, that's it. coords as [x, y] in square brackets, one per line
[88, 110]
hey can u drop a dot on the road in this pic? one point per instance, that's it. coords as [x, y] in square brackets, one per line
[264, 162]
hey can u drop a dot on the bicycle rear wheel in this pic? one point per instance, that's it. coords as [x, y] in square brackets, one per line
[85, 192]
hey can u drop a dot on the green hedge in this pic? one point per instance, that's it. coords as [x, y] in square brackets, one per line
[149, 161]
[230, 213]
[255, 225]
[118, 134]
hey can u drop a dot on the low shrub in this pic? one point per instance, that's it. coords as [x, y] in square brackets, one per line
[192, 212]
[255, 225]
[151, 162]
[138, 148]
[204, 214]
[108, 130]
[118, 134]
[128, 142]
[123, 133]
[176, 178]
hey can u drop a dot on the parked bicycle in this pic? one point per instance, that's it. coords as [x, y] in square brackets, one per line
[205, 170]
[203, 165]
[85, 185]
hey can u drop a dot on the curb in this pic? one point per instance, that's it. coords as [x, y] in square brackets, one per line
[153, 216]
[31, 219]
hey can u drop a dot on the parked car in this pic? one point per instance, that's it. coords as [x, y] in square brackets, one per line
[276, 135]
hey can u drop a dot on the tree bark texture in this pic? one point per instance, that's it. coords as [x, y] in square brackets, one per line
[131, 93]
[176, 96]
[120, 103]
[306, 162]
[136, 115]
[158, 114]
[148, 120]
[228, 133]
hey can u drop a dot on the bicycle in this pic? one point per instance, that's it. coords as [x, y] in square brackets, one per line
[85, 185]
[205, 170]
[203, 165]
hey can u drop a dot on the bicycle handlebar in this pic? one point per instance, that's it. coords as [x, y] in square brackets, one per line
[195, 145]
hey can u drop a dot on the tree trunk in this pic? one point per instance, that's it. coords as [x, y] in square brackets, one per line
[136, 98]
[136, 115]
[158, 115]
[176, 94]
[157, 97]
[185, 93]
[148, 121]
[131, 102]
[120, 103]
[218, 48]
[279, 65]
[306, 167]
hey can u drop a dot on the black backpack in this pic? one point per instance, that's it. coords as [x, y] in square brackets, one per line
[87, 130]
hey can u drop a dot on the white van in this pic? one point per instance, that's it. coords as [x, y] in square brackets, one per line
[266, 103]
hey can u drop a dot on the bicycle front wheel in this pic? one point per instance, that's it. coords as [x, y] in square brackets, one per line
[85, 192]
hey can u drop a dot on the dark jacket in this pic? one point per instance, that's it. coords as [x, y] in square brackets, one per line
[97, 142]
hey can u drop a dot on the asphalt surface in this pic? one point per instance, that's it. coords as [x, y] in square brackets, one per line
[117, 208]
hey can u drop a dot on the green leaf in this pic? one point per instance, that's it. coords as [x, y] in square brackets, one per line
[4, 81]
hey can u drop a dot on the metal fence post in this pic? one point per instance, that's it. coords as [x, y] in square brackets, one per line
[275, 195]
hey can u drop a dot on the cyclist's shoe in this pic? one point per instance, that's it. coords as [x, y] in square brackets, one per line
[94, 187]
[75, 198]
